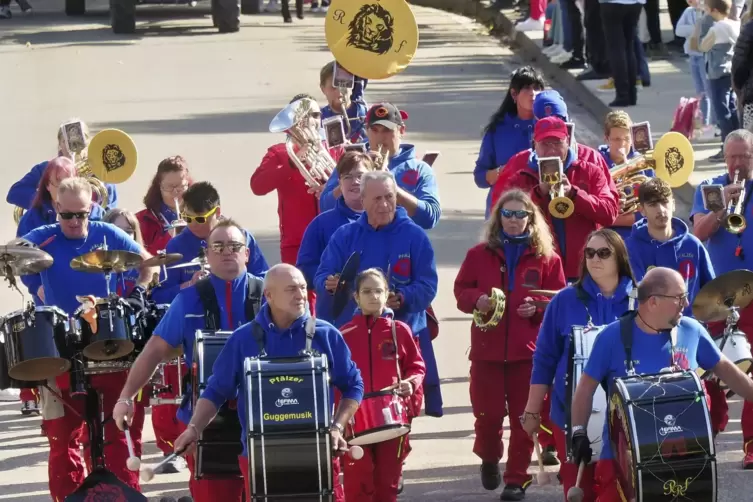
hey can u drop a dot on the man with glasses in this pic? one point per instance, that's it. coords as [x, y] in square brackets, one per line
[201, 211]
[730, 251]
[234, 299]
[59, 285]
[661, 338]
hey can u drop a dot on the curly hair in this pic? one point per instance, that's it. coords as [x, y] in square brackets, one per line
[654, 190]
[617, 118]
[541, 236]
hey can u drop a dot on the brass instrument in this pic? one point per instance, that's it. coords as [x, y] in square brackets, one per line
[627, 178]
[499, 300]
[303, 132]
[560, 206]
[345, 103]
[734, 221]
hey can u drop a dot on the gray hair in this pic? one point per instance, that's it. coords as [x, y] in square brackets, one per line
[381, 176]
[75, 185]
[740, 135]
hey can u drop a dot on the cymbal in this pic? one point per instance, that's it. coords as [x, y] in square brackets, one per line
[99, 261]
[22, 259]
[162, 259]
[543, 292]
[733, 289]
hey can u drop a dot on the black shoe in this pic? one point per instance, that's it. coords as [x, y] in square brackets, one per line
[717, 157]
[513, 492]
[549, 456]
[185, 499]
[573, 64]
[591, 74]
[490, 475]
[400, 485]
[621, 102]
[288, 19]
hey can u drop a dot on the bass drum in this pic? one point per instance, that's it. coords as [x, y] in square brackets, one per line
[660, 433]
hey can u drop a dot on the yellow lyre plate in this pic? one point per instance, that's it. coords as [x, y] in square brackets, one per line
[112, 156]
[674, 159]
[373, 39]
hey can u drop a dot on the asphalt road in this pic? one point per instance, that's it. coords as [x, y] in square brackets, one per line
[177, 87]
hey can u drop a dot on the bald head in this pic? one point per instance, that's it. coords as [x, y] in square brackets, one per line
[658, 281]
[285, 291]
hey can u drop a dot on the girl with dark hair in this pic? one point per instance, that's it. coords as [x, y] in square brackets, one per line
[510, 129]
[161, 203]
[601, 294]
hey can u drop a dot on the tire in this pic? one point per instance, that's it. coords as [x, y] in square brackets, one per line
[123, 16]
[250, 6]
[226, 15]
[75, 7]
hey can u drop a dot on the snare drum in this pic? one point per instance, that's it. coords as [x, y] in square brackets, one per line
[381, 416]
[288, 410]
[33, 340]
[661, 438]
[152, 315]
[581, 343]
[219, 444]
[116, 330]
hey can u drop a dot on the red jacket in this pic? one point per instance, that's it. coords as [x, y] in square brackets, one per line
[484, 269]
[295, 206]
[153, 231]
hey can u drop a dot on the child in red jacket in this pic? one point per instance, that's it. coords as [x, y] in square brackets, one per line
[376, 340]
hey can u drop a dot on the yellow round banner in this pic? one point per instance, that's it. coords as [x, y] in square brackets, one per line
[674, 159]
[112, 156]
[373, 39]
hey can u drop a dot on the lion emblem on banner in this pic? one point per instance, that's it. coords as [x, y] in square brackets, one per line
[372, 29]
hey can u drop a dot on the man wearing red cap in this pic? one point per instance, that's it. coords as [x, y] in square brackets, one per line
[595, 203]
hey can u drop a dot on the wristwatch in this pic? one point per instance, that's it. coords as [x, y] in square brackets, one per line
[578, 428]
[337, 426]
[128, 402]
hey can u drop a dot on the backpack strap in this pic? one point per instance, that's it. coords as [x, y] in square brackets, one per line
[208, 300]
[581, 294]
[626, 336]
[260, 337]
[393, 325]
[254, 293]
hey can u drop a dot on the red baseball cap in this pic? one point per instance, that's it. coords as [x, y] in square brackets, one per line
[550, 127]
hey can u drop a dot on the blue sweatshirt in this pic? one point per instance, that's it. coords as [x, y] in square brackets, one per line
[228, 377]
[62, 283]
[412, 175]
[23, 191]
[682, 252]
[401, 249]
[509, 136]
[315, 240]
[187, 244]
[46, 215]
[551, 359]
[356, 117]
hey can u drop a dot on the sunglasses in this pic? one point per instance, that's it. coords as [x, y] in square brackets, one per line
[79, 216]
[201, 218]
[603, 253]
[518, 213]
[233, 246]
[679, 298]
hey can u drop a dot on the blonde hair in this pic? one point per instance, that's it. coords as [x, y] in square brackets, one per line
[76, 185]
[541, 238]
[114, 213]
[617, 118]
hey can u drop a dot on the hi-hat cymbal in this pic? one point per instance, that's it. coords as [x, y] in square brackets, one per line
[162, 259]
[733, 289]
[543, 292]
[19, 259]
[100, 261]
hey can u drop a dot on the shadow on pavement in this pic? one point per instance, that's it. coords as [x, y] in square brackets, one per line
[456, 233]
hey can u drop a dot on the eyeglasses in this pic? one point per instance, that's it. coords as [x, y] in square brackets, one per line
[202, 218]
[517, 213]
[233, 246]
[680, 298]
[602, 253]
[79, 216]
[174, 188]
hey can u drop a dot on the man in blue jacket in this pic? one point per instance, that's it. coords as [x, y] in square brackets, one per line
[417, 190]
[661, 240]
[284, 321]
[201, 211]
[237, 301]
[386, 238]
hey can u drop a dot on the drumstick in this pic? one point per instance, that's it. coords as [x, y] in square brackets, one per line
[575, 493]
[355, 452]
[133, 463]
[542, 477]
[148, 472]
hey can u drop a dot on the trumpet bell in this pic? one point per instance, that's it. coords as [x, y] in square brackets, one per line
[112, 156]
[674, 159]
[735, 223]
[293, 114]
[561, 207]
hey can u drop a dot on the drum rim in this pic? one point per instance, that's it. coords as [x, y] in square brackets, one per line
[41, 308]
[381, 428]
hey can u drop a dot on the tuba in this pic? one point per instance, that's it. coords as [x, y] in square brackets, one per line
[302, 128]
[99, 190]
[734, 222]
[627, 178]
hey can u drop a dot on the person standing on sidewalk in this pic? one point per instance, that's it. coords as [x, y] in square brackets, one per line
[742, 76]
[685, 27]
[535, 20]
[620, 24]
[5, 8]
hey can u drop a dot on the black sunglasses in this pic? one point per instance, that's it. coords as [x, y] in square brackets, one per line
[79, 216]
[603, 253]
[518, 213]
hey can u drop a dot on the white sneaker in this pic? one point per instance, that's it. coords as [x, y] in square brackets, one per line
[556, 54]
[5, 14]
[273, 6]
[10, 394]
[552, 49]
[316, 9]
[530, 24]
[561, 58]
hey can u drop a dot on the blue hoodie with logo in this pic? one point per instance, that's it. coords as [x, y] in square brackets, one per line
[228, 376]
[682, 252]
[509, 136]
[412, 175]
[315, 240]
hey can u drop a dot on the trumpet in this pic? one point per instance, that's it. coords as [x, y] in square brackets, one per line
[499, 299]
[734, 221]
[345, 102]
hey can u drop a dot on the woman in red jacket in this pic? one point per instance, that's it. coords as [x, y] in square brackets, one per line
[165, 192]
[516, 256]
[375, 340]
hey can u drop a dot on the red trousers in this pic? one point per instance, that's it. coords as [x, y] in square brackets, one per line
[64, 428]
[499, 390]
[569, 472]
[29, 395]
[165, 422]
[209, 490]
[374, 478]
[339, 492]
[537, 9]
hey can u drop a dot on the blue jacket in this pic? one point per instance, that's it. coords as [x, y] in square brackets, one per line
[551, 359]
[412, 175]
[46, 215]
[186, 315]
[228, 374]
[682, 252]
[316, 238]
[23, 191]
[187, 244]
[401, 249]
[510, 136]
[356, 117]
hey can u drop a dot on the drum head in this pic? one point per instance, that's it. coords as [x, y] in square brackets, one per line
[380, 435]
[107, 350]
[42, 368]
